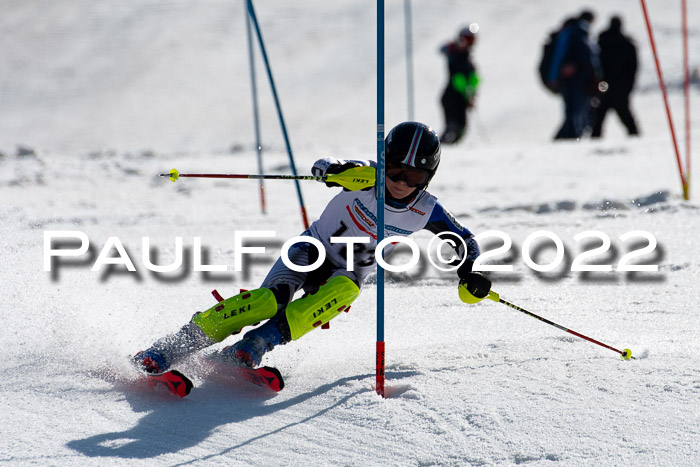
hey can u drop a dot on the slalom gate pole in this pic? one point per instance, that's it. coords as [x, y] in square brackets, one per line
[662, 85]
[380, 182]
[480, 127]
[251, 13]
[254, 94]
[686, 92]
[625, 354]
[408, 26]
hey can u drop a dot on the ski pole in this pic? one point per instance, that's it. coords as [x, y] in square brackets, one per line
[353, 179]
[625, 354]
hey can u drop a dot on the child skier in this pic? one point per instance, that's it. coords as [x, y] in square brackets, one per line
[412, 157]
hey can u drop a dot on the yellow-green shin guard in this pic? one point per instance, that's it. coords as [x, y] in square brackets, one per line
[229, 316]
[317, 309]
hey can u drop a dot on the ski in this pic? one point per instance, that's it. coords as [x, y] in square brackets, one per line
[173, 380]
[266, 377]
[180, 385]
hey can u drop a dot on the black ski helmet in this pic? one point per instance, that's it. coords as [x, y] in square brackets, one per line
[414, 144]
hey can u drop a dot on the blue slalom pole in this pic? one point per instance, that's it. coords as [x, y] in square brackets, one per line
[256, 118]
[251, 12]
[380, 184]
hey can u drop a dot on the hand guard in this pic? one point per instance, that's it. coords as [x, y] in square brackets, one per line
[322, 168]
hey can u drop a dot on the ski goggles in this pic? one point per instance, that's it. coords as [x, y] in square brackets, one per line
[410, 175]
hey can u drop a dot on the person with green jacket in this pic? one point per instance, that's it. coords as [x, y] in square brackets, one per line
[460, 92]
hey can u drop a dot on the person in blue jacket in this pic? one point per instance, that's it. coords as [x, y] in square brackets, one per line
[575, 72]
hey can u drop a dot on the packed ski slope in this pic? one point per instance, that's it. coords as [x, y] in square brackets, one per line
[99, 99]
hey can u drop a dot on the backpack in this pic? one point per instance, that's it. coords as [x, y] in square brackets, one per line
[546, 62]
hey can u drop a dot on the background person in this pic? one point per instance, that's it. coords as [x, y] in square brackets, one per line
[618, 61]
[575, 71]
[463, 82]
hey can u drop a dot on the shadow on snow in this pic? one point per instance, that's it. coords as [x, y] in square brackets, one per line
[172, 425]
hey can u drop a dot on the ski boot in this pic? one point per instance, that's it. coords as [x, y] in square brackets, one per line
[249, 351]
[150, 361]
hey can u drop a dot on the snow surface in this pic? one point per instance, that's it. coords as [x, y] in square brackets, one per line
[100, 97]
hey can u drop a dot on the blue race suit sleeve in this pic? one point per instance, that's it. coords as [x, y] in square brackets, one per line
[441, 221]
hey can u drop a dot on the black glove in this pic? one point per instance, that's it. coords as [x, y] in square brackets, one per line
[476, 283]
[339, 168]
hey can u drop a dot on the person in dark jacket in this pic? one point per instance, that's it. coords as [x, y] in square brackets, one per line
[618, 60]
[575, 71]
[460, 91]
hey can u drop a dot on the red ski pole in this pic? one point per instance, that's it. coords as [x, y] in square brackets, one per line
[353, 179]
[625, 354]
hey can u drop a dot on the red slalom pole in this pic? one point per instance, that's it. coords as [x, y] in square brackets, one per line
[625, 354]
[663, 92]
[380, 369]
